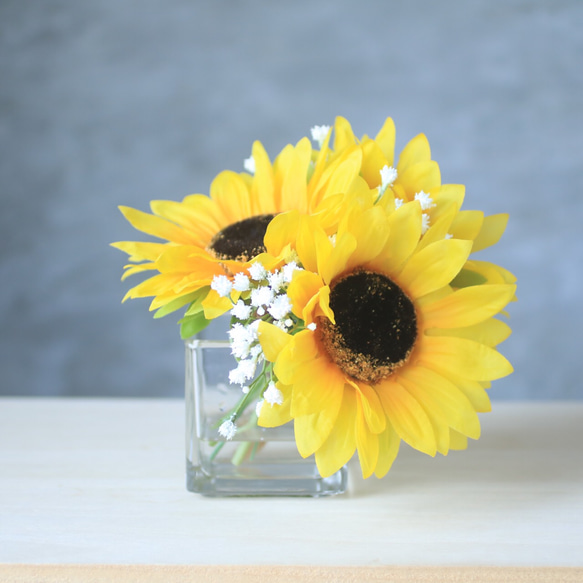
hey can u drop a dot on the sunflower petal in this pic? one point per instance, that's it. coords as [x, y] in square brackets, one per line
[282, 229]
[200, 226]
[208, 210]
[463, 357]
[449, 194]
[372, 162]
[156, 226]
[133, 269]
[370, 230]
[139, 251]
[214, 305]
[434, 266]
[491, 332]
[311, 431]
[457, 441]
[262, 186]
[440, 227]
[474, 391]
[341, 443]
[294, 190]
[317, 384]
[468, 306]
[407, 417]
[467, 225]
[345, 173]
[231, 194]
[312, 244]
[389, 443]
[367, 443]
[404, 226]
[303, 287]
[386, 140]
[436, 393]
[320, 165]
[272, 339]
[343, 134]
[294, 355]
[417, 150]
[276, 415]
[420, 176]
[492, 229]
[153, 285]
[489, 272]
[336, 260]
[371, 406]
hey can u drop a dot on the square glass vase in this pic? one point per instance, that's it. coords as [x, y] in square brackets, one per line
[258, 461]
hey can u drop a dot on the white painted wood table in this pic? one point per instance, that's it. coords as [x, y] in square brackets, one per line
[95, 488]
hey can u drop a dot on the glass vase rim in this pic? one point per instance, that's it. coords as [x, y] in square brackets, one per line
[206, 343]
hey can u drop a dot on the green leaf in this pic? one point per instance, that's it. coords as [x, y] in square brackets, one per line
[196, 306]
[191, 325]
[175, 305]
[467, 278]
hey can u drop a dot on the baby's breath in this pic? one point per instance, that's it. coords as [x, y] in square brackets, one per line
[249, 164]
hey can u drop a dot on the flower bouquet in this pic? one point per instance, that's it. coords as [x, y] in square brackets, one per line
[357, 316]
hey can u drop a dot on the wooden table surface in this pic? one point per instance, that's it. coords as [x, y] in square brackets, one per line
[95, 488]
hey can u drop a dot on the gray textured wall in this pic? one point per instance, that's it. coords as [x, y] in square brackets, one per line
[107, 102]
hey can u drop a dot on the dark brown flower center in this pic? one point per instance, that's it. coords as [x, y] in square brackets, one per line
[376, 326]
[242, 240]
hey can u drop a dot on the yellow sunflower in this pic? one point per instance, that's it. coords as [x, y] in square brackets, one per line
[391, 351]
[208, 236]
[415, 176]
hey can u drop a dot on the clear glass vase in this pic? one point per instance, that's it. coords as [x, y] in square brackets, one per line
[258, 461]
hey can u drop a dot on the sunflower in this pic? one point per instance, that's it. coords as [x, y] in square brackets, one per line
[391, 350]
[219, 235]
[415, 176]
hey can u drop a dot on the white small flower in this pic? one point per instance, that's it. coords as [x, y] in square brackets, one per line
[388, 177]
[241, 282]
[448, 236]
[222, 285]
[425, 200]
[241, 338]
[311, 326]
[280, 307]
[288, 271]
[256, 352]
[257, 271]
[273, 395]
[245, 370]
[249, 164]
[398, 203]
[425, 223]
[241, 310]
[262, 296]
[245, 389]
[237, 375]
[239, 333]
[276, 280]
[258, 407]
[252, 330]
[228, 429]
[260, 311]
[319, 134]
[289, 323]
